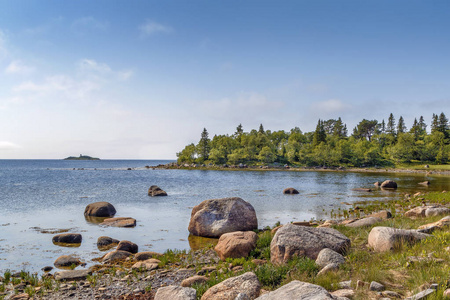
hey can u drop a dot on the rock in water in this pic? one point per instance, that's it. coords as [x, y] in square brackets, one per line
[155, 190]
[290, 191]
[119, 222]
[292, 240]
[386, 238]
[66, 261]
[236, 244]
[389, 184]
[298, 290]
[115, 255]
[230, 288]
[214, 217]
[127, 246]
[106, 242]
[100, 209]
[67, 238]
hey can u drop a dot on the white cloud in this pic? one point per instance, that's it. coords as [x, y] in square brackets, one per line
[5, 145]
[90, 65]
[151, 28]
[330, 106]
[18, 67]
[86, 24]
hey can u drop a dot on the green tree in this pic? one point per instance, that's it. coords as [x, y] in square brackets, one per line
[203, 146]
[365, 129]
[401, 127]
[266, 155]
[187, 155]
[319, 134]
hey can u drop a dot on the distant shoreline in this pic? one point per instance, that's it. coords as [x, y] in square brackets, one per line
[81, 157]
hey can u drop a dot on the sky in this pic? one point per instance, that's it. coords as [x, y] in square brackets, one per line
[141, 79]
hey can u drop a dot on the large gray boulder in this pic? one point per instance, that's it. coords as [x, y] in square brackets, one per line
[214, 217]
[100, 209]
[300, 291]
[230, 288]
[175, 292]
[327, 256]
[383, 239]
[293, 240]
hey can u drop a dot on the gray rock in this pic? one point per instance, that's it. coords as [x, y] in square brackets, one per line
[214, 217]
[174, 292]
[155, 191]
[386, 238]
[106, 242]
[115, 255]
[127, 246]
[377, 287]
[327, 256]
[389, 184]
[291, 240]
[66, 261]
[391, 294]
[230, 288]
[436, 211]
[298, 290]
[72, 275]
[347, 293]
[366, 222]
[328, 268]
[290, 191]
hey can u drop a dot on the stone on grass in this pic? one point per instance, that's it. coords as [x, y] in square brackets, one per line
[175, 292]
[377, 287]
[366, 222]
[66, 261]
[100, 209]
[116, 255]
[127, 246]
[146, 265]
[329, 268]
[196, 279]
[119, 222]
[427, 211]
[230, 288]
[416, 212]
[72, 275]
[67, 238]
[383, 214]
[290, 191]
[146, 255]
[383, 239]
[298, 290]
[327, 256]
[436, 211]
[291, 240]
[155, 191]
[442, 223]
[236, 244]
[347, 293]
[214, 217]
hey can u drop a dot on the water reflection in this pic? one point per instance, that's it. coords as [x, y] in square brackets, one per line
[198, 242]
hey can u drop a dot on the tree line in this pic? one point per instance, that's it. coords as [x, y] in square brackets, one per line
[371, 143]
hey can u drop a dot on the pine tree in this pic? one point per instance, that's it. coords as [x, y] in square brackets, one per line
[261, 128]
[204, 146]
[319, 134]
[390, 127]
[415, 129]
[239, 130]
[340, 129]
[383, 127]
[443, 124]
[401, 128]
[422, 126]
[434, 123]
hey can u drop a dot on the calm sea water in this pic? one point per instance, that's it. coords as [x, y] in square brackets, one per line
[52, 194]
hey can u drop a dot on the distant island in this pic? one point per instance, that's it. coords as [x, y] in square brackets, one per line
[81, 157]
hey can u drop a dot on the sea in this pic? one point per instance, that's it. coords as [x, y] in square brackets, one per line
[41, 197]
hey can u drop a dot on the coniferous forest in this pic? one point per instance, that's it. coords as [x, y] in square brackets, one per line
[370, 143]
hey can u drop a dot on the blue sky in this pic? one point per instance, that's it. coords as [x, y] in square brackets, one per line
[141, 79]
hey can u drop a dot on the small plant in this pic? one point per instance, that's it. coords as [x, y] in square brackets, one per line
[7, 276]
[92, 279]
[148, 288]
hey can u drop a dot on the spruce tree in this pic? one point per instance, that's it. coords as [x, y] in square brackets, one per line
[434, 123]
[204, 146]
[319, 134]
[261, 128]
[401, 128]
[422, 126]
[390, 127]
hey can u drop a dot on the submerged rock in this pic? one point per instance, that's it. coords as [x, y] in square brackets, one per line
[119, 222]
[100, 209]
[214, 217]
[66, 261]
[106, 242]
[155, 190]
[290, 191]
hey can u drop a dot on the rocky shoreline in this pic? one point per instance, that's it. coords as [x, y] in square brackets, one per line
[284, 262]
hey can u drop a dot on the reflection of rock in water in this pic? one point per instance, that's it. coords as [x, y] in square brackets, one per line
[72, 245]
[95, 220]
[52, 230]
[198, 242]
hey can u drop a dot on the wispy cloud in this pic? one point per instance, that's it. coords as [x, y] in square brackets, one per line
[330, 106]
[151, 28]
[18, 67]
[90, 65]
[86, 24]
[5, 145]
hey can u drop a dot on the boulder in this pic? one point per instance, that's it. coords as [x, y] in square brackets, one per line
[291, 240]
[427, 211]
[127, 246]
[175, 292]
[230, 288]
[236, 244]
[100, 209]
[347, 293]
[115, 255]
[67, 238]
[428, 228]
[366, 222]
[214, 217]
[377, 287]
[298, 290]
[146, 255]
[66, 261]
[155, 191]
[106, 242]
[327, 256]
[119, 222]
[416, 212]
[383, 214]
[389, 184]
[328, 268]
[290, 191]
[72, 275]
[146, 265]
[386, 238]
[196, 279]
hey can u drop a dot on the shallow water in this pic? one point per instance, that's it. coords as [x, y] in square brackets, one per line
[52, 194]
